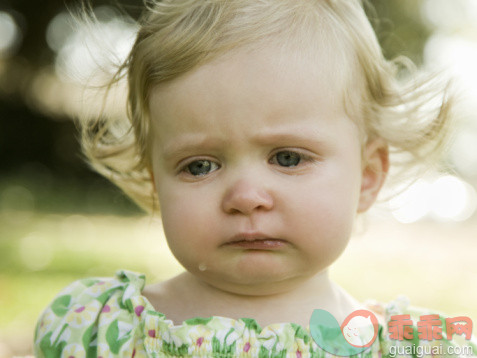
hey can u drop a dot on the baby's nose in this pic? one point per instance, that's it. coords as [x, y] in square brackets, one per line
[246, 196]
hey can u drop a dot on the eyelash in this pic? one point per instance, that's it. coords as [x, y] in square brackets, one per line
[304, 158]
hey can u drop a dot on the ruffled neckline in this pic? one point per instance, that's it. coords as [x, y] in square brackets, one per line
[136, 283]
[202, 335]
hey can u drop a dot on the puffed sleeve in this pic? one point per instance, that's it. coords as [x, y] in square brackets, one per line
[93, 317]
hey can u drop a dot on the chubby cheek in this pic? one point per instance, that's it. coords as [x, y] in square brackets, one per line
[189, 223]
[321, 218]
[323, 237]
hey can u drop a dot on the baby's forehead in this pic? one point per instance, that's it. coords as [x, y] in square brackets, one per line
[331, 65]
[299, 67]
[332, 68]
[283, 85]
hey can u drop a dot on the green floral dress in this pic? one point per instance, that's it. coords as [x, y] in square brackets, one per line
[110, 318]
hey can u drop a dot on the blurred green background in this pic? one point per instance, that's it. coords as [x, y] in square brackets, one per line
[59, 221]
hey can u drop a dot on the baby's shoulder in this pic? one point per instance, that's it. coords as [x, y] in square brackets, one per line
[90, 315]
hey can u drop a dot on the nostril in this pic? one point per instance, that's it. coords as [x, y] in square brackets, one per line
[245, 199]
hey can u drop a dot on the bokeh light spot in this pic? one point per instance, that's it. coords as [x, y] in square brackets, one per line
[455, 199]
[412, 204]
[36, 252]
[464, 151]
[94, 51]
[446, 198]
[9, 34]
[74, 226]
[58, 31]
[17, 198]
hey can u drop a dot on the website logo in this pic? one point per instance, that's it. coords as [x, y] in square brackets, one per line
[429, 327]
[360, 329]
[358, 332]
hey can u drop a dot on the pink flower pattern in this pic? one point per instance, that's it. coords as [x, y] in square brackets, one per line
[138, 310]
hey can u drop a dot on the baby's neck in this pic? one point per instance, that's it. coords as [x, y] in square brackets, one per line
[199, 299]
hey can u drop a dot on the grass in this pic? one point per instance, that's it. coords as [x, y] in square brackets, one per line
[40, 253]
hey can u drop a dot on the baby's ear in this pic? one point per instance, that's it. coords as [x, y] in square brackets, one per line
[375, 169]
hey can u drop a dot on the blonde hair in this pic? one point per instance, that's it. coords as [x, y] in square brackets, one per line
[176, 36]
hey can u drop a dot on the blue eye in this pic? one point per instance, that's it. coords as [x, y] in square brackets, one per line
[201, 167]
[288, 158]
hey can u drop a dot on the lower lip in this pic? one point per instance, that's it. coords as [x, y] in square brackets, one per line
[258, 244]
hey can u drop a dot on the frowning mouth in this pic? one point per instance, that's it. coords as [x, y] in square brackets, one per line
[255, 242]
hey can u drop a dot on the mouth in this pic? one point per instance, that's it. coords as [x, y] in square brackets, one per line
[255, 242]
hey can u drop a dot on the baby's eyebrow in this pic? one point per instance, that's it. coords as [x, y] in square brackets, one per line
[305, 138]
[189, 144]
[196, 143]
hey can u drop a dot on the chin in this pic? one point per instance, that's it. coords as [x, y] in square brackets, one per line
[255, 282]
[258, 288]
